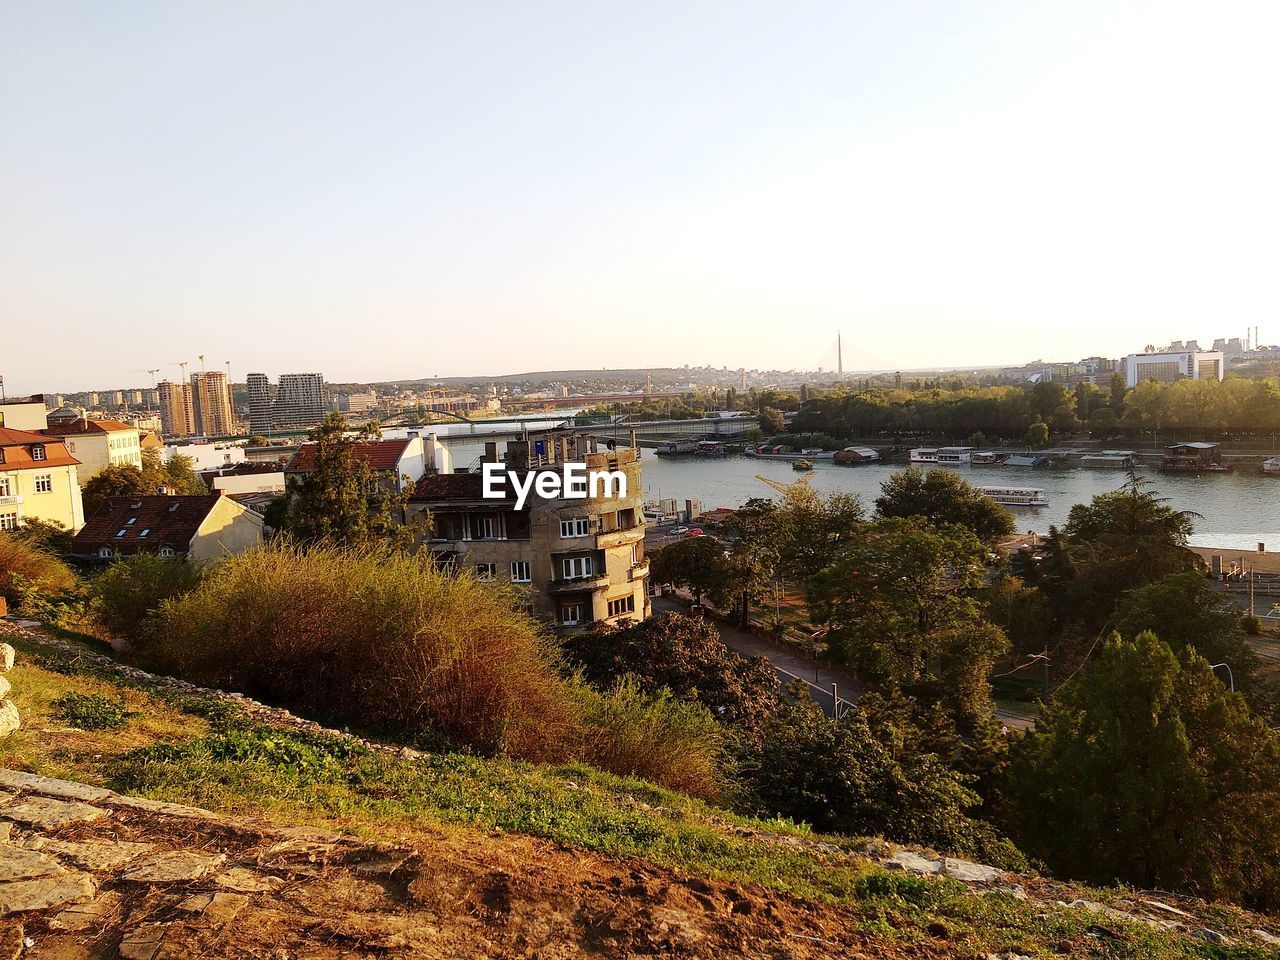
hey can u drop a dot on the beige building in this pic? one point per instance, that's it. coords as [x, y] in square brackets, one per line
[99, 444]
[211, 404]
[581, 560]
[38, 479]
[177, 417]
[23, 413]
[199, 528]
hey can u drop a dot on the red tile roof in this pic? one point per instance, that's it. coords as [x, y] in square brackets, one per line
[15, 451]
[449, 486]
[63, 428]
[378, 454]
[169, 522]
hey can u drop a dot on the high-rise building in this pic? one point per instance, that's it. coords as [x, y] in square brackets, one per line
[1173, 364]
[211, 404]
[177, 418]
[300, 400]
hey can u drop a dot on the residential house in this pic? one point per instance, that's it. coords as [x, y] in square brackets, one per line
[198, 528]
[398, 462]
[38, 479]
[98, 444]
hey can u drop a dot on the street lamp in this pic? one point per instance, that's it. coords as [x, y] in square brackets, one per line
[1230, 677]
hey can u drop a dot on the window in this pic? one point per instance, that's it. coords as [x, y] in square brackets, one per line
[5, 489]
[520, 571]
[622, 605]
[575, 567]
[571, 613]
[8, 521]
[486, 526]
[37, 452]
[166, 551]
[104, 553]
[145, 531]
[44, 483]
[577, 527]
[486, 571]
[121, 532]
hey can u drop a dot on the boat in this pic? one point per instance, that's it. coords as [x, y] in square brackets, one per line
[802, 464]
[988, 458]
[783, 452]
[676, 448]
[1271, 466]
[854, 455]
[942, 455]
[1016, 496]
[710, 448]
[1027, 460]
[1122, 459]
[1198, 457]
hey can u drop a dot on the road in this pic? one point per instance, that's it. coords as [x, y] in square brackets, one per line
[788, 664]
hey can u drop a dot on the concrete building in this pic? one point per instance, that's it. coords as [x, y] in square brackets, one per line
[355, 402]
[239, 479]
[199, 528]
[24, 413]
[177, 416]
[38, 479]
[261, 403]
[211, 404]
[581, 560]
[99, 444]
[206, 456]
[1169, 365]
[297, 403]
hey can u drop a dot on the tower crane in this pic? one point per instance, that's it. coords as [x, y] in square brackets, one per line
[784, 488]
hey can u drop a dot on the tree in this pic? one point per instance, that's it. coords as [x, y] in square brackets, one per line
[684, 655]
[812, 530]
[696, 562]
[1185, 611]
[342, 500]
[1118, 389]
[1038, 434]
[1147, 770]
[1103, 423]
[838, 776]
[771, 421]
[944, 497]
[899, 606]
[156, 475]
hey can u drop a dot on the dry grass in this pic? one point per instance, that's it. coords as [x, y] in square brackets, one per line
[22, 564]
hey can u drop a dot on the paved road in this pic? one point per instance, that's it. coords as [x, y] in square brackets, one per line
[787, 663]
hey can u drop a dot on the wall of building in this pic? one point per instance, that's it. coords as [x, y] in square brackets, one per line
[228, 530]
[61, 504]
[24, 415]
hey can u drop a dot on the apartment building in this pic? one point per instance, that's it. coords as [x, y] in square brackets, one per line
[98, 444]
[580, 561]
[211, 411]
[38, 479]
[397, 462]
[23, 413]
[177, 416]
[298, 402]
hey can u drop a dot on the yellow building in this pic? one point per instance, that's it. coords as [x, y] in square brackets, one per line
[177, 415]
[211, 404]
[38, 479]
[98, 444]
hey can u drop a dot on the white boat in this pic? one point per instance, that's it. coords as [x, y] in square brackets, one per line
[1016, 496]
[1271, 466]
[942, 455]
[783, 452]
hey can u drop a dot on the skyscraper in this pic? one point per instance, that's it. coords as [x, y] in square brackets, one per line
[260, 407]
[176, 416]
[211, 404]
[299, 401]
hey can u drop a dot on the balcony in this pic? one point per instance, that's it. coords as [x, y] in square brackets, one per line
[620, 538]
[638, 571]
[12, 501]
[598, 581]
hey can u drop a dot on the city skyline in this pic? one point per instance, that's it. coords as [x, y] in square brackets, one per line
[502, 188]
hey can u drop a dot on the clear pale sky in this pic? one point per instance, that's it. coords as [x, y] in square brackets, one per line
[382, 190]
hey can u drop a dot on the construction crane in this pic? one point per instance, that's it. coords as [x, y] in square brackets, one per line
[200, 356]
[182, 365]
[785, 488]
[153, 375]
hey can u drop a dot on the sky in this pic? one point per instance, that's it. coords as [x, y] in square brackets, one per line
[394, 190]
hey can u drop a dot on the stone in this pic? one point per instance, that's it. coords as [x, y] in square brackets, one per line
[67, 789]
[83, 916]
[224, 907]
[18, 863]
[9, 719]
[98, 856]
[383, 864]
[196, 903]
[246, 881]
[1157, 905]
[1213, 936]
[913, 862]
[142, 943]
[45, 892]
[5, 687]
[44, 813]
[7, 654]
[969, 872]
[173, 866]
[1268, 938]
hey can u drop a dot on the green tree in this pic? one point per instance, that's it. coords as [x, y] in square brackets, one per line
[1103, 423]
[697, 563]
[684, 655]
[1118, 389]
[771, 421]
[174, 476]
[342, 500]
[899, 606]
[1146, 769]
[1038, 434]
[942, 497]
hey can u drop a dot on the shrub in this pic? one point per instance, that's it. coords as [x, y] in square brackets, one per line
[90, 711]
[26, 568]
[126, 597]
[659, 738]
[375, 638]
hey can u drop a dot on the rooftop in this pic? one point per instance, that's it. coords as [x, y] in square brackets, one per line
[136, 524]
[378, 454]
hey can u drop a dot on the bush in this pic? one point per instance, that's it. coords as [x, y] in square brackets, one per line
[658, 738]
[90, 711]
[25, 569]
[125, 599]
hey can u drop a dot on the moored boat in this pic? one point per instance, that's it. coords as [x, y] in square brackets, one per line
[854, 455]
[1271, 466]
[1121, 459]
[802, 464]
[988, 458]
[942, 455]
[1016, 496]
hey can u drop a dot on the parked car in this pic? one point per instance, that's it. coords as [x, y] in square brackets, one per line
[695, 532]
[678, 531]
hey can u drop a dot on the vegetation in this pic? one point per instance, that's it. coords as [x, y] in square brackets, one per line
[90, 711]
[175, 475]
[126, 598]
[944, 497]
[1146, 769]
[28, 570]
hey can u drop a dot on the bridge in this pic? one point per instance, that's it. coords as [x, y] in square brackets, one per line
[726, 428]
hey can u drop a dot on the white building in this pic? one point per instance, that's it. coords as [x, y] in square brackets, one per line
[206, 456]
[1174, 365]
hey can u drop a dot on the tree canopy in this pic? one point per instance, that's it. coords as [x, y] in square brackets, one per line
[944, 497]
